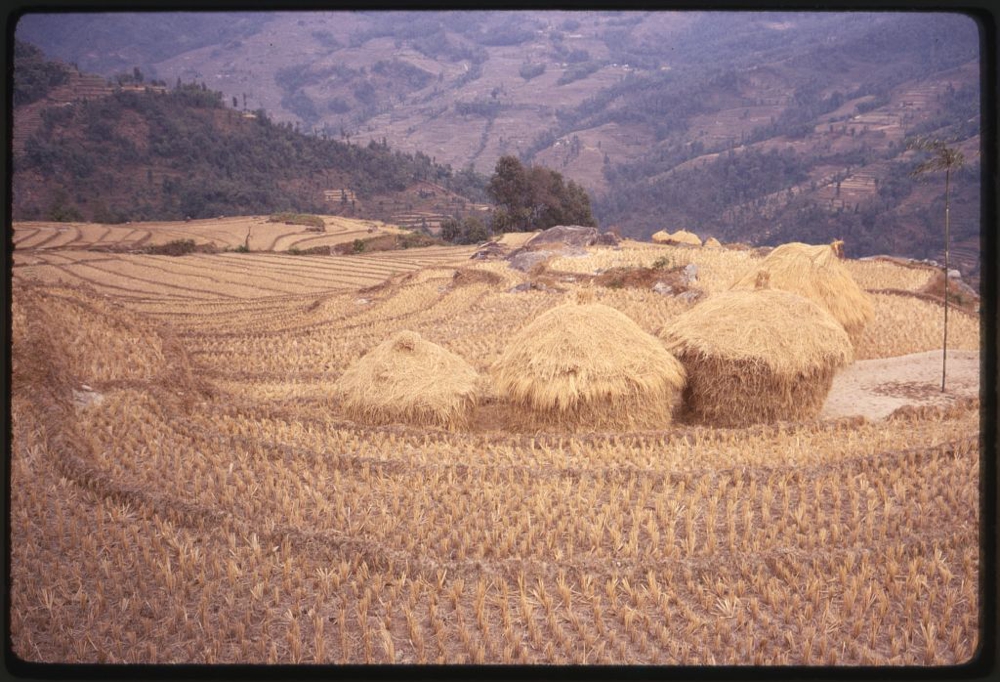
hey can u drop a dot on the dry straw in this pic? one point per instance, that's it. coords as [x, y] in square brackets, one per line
[581, 366]
[713, 243]
[409, 379]
[759, 356]
[685, 237]
[678, 237]
[816, 273]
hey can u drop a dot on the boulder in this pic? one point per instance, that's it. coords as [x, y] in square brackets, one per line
[567, 235]
[561, 240]
[86, 397]
[531, 286]
[690, 274]
[489, 251]
[607, 239]
[525, 260]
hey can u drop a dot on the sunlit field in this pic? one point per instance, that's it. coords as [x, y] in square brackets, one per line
[187, 487]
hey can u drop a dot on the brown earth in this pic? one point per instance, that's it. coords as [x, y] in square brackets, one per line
[876, 388]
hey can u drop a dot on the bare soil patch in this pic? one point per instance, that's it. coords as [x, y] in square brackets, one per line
[876, 388]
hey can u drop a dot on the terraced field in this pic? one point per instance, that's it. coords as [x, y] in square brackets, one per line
[185, 487]
[257, 233]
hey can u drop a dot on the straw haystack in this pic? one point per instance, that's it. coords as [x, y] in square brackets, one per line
[678, 237]
[757, 356]
[713, 243]
[587, 366]
[685, 237]
[409, 379]
[816, 273]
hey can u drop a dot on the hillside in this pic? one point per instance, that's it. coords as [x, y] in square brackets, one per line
[159, 153]
[756, 127]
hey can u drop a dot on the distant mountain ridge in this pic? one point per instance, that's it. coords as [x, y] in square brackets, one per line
[757, 127]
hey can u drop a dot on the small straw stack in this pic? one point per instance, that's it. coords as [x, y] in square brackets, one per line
[410, 380]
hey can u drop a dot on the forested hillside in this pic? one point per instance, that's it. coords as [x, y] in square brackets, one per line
[139, 155]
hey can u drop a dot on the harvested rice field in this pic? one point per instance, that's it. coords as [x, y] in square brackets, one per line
[196, 477]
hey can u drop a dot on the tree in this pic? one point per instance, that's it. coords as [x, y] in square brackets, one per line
[535, 198]
[948, 159]
[473, 230]
[451, 230]
[509, 189]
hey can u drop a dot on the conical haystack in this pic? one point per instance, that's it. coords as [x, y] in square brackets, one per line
[713, 243]
[409, 379]
[685, 237]
[757, 356]
[587, 366]
[661, 237]
[816, 273]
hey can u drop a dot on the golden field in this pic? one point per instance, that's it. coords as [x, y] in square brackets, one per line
[186, 488]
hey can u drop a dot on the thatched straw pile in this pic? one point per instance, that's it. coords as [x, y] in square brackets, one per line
[757, 356]
[587, 366]
[816, 273]
[685, 237]
[713, 243]
[678, 237]
[409, 379]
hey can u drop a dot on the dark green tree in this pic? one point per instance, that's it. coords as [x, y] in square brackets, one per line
[509, 189]
[474, 230]
[947, 159]
[451, 230]
[535, 198]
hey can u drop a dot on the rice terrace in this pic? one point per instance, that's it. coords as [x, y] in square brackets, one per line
[233, 442]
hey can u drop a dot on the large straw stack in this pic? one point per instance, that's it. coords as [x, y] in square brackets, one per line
[661, 237]
[757, 356]
[587, 366]
[409, 379]
[816, 273]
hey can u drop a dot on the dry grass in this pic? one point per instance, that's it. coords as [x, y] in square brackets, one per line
[224, 233]
[882, 274]
[905, 325]
[216, 507]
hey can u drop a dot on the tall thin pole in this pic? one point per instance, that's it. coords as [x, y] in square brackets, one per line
[944, 355]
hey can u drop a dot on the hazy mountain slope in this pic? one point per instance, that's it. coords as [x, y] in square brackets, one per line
[635, 106]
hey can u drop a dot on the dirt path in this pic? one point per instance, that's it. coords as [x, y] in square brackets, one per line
[875, 388]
